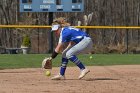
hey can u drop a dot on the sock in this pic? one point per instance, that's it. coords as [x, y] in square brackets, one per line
[75, 60]
[63, 66]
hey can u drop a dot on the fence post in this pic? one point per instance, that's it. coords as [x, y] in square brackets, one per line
[50, 33]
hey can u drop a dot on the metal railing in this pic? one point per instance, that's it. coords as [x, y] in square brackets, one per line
[93, 27]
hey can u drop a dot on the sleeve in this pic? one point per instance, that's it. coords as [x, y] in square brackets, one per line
[60, 38]
[64, 36]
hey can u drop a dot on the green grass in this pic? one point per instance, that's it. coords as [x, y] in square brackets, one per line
[34, 60]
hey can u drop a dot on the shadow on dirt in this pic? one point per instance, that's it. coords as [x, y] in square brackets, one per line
[95, 79]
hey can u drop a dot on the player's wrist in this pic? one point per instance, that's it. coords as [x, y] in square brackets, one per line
[54, 54]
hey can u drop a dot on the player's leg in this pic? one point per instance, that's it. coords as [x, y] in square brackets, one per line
[63, 67]
[64, 61]
[84, 46]
[84, 70]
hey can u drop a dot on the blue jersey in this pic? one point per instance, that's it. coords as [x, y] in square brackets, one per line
[71, 34]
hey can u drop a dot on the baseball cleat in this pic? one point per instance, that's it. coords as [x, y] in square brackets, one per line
[58, 77]
[83, 73]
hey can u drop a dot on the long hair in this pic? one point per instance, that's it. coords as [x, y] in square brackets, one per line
[61, 21]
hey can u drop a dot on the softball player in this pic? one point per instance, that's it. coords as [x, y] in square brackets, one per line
[78, 42]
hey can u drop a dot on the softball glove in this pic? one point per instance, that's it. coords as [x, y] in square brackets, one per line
[47, 63]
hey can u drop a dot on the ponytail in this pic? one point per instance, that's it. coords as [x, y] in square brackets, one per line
[61, 21]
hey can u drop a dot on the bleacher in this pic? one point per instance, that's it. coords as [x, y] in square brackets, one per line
[2, 50]
[13, 50]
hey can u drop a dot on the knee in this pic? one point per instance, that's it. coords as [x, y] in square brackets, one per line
[68, 55]
[63, 54]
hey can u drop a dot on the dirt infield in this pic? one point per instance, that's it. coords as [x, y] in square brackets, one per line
[101, 79]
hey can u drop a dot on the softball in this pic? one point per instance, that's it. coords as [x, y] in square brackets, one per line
[47, 73]
[90, 57]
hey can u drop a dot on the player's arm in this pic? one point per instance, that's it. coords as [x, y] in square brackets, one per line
[70, 44]
[47, 63]
[56, 51]
[58, 47]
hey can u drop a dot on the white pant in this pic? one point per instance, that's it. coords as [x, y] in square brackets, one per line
[84, 46]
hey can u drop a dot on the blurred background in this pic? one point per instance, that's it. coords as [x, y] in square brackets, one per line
[96, 13]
